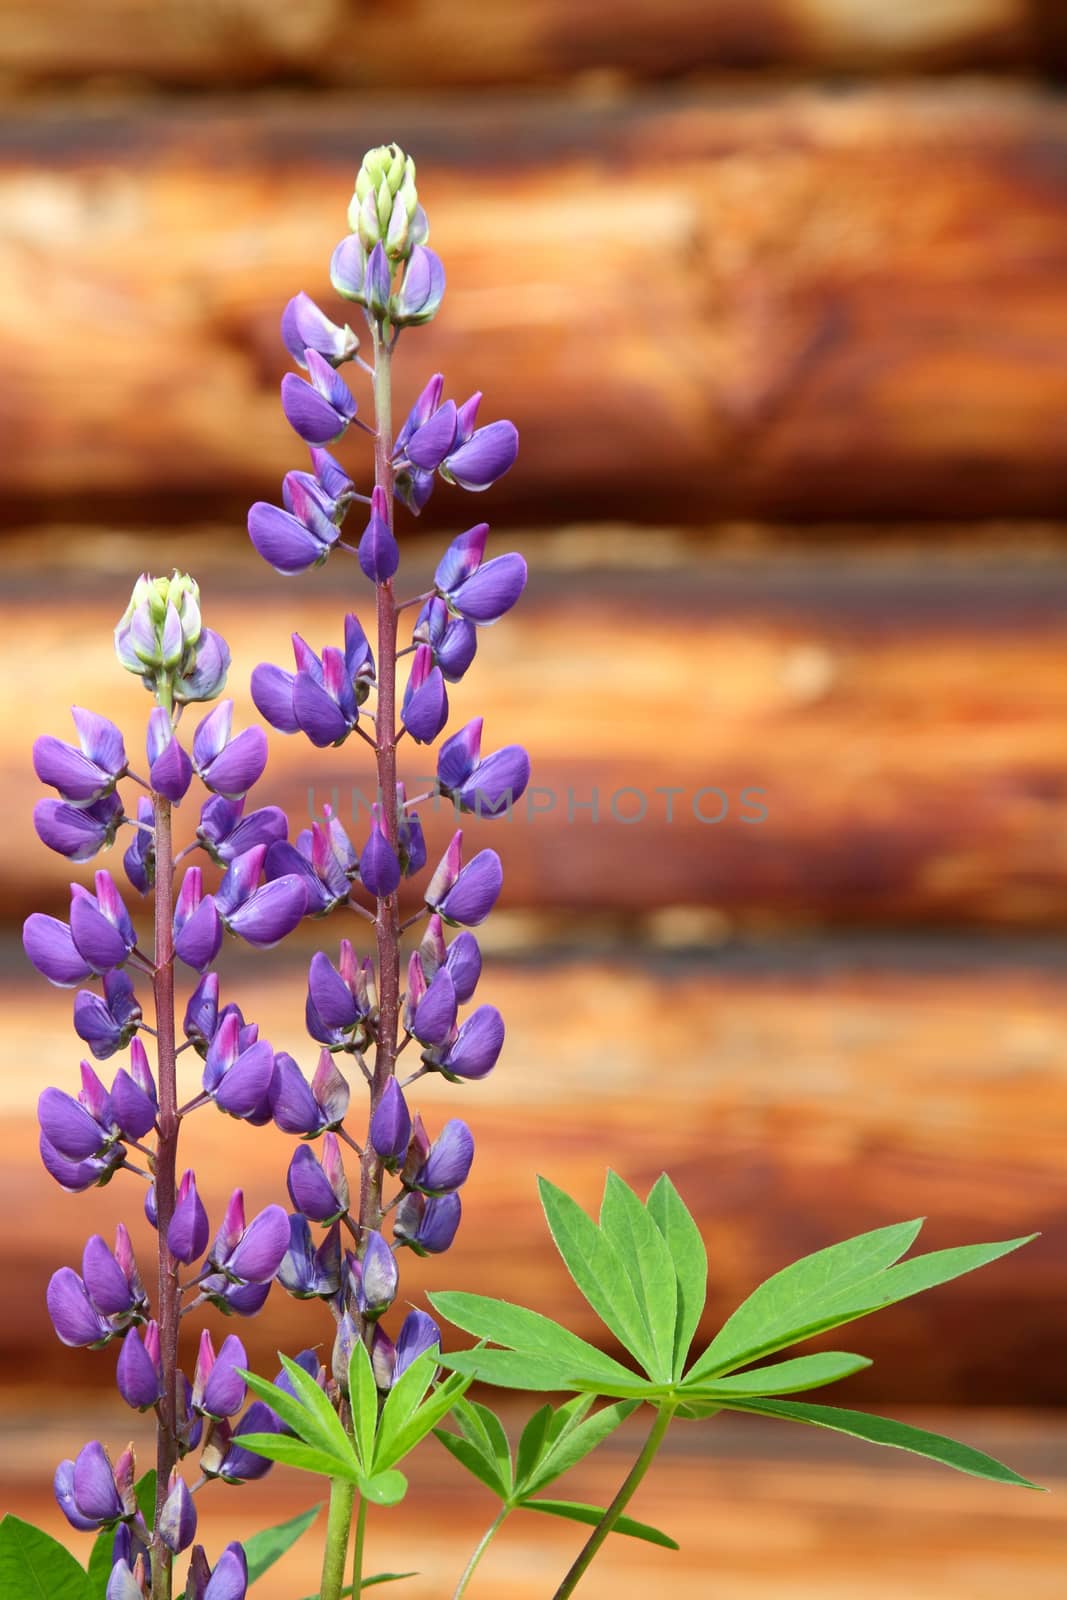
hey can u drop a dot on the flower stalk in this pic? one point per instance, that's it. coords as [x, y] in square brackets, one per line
[166, 1166]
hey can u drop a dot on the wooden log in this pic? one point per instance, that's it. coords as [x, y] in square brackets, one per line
[762, 1511]
[797, 1093]
[251, 42]
[902, 722]
[786, 304]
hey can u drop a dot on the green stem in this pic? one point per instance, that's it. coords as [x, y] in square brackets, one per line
[483, 1545]
[334, 1559]
[357, 1558]
[618, 1505]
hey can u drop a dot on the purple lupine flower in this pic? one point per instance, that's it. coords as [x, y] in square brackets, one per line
[425, 706]
[78, 832]
[477, 590]
[488, 787]
[197, 925]
[379, 1277]
[177, 1520]
[414, 484]
[83, 775]
[410, 842]
[390, 1126]
[449, 1162]
[77, 1176]
[228, 1581]
[75, 1318]
[139, 1373]
[475, 1050]
[477, 461]
[187, 1235]
[320, 407]
[303, 534]
[134, 1101]
[379, 867]
[252, 1253]
[226, 833]
[314, 862]
[453, 641]
[202, 1012]
[433, 1017]
[340, 999]
[462, 957]
[238, 1071]
[50, 947]
[229, 765]
[465, 897]
[204, 669]
[306, 1272]
[319, 1188]
[170, 771]
[139, 861]
[420, 294]
[124, 1583]
[379, 554]
[271, 911]
[418, 1334]
[305, 327]
[218, 1388]
[303, 1108]
[321, 698]
[427, 1226]
[107, 1023]
[70, 1127]
[86, 1490]
[348, 268]
[100, 925]
[239, 1465]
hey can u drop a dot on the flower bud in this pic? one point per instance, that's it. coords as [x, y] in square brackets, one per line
[385, 206]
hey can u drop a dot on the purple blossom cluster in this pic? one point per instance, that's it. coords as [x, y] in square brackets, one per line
[250, 879]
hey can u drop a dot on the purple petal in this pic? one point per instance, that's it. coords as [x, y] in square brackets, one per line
[281, 539]
[239, 766]
[486, 456]
[76, 1320]
[430, 444]
[52, 950]
[496, 783]
[68, 1126]
[492, 590]
[272, 692]
[317, 714]
[197, 943]
[271, 912]
[477, 1046]
[310, 415]
[262, 1248]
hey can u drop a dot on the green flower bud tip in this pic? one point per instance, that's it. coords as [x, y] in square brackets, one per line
[385, 201]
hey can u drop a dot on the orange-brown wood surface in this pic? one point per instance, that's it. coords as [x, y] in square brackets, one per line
[797, 1094]
[475, 43]
[898, 719]
[787, 303]
[762, 1510]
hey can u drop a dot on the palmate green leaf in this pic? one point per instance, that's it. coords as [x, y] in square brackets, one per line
[306, 1423]
[781, 1377]
[532, 1442]
[479, 1466]
[884, 1430]
[672, 1217]
[510, 1369]
[576, 1511]
[100, 1563]
[600, 1274]
[396, 1444]
[817, 1294]
[793, 1301]
[295, 1453]
[263, 1549]
[527, 1332]
[384, 1488]
[403, 1400]
[481, 1425]
[363, 1398]
[34, 1566]
[574, 1445]
[646, 1260]
[322, 1426]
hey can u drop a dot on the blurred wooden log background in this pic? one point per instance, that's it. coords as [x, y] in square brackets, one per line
[777, 294]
